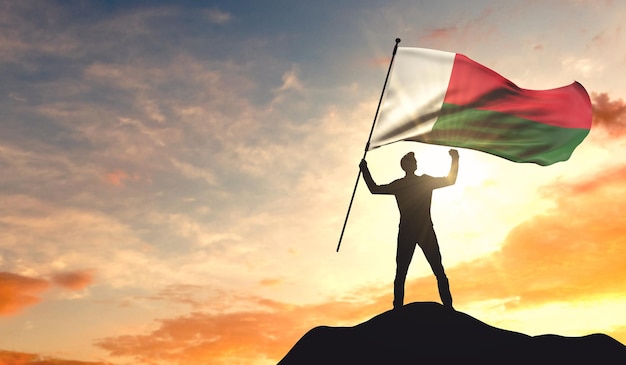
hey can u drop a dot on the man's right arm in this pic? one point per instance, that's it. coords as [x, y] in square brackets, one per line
[369, 181]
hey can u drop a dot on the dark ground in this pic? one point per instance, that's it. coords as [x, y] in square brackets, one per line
[430, 333]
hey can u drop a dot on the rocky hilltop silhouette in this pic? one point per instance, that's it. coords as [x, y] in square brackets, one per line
[430, 333]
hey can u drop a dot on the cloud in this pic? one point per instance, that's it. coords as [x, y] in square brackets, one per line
[607, 37]
[23, 358]
[463, 31]
[442, 34]
[73, 280]
[255, 336]
[17, 41]
[586, 67]
[196, 296]
[40, 238]
[116, 177]
[194, 172]
[18, 292]
[562, 256]
[608, 114]
[603, 180]
[291, 81]
[574, 252]
[270, 282]
[194, 124]
[217, 16]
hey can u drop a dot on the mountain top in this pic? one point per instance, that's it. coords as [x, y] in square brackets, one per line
[429, 332]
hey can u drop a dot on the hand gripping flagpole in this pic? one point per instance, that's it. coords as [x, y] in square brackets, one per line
[367, 145]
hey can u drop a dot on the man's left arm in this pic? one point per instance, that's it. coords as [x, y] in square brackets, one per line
[440, 182]
[454, 167]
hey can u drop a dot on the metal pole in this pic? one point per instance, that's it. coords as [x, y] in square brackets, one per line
[367, 145]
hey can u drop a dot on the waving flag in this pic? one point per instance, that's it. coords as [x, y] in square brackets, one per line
[448, 99]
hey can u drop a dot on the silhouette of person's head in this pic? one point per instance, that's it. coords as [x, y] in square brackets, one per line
[409, 163]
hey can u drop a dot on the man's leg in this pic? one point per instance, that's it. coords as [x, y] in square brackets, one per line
[404, 254]
[430, 246]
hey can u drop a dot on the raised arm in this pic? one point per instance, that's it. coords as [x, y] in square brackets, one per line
[371, 185]
[454, 166]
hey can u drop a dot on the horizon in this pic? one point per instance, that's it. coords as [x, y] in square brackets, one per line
[176, 175]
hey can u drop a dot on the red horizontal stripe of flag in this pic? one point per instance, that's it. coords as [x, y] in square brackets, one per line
[475, 86]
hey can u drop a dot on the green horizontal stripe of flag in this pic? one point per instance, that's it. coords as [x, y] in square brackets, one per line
[504, 135]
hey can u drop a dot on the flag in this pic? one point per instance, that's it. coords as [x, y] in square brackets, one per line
[448, 99]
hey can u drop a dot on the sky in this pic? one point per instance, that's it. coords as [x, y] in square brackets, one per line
[175, 176]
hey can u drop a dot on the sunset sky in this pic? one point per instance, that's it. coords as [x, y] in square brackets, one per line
[175, 176]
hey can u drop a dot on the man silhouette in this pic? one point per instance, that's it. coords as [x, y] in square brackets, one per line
[414, 194]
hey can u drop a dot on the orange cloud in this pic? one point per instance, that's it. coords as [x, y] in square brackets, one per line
[182, 294]
[22, 358]
[576, 252]
[603, 180]
[477, 28]
[241, 337]
[270, 282]
[73, 280]
[607, 37]
[442, 34]
[609, 114]
[18, 292]
[119, 178]
[116, 178]
[527, 267]
[380, 61]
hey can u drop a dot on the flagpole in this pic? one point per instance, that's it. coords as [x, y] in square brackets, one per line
[367, 145]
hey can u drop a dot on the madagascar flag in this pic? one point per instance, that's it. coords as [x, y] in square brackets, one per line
[448, 99]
